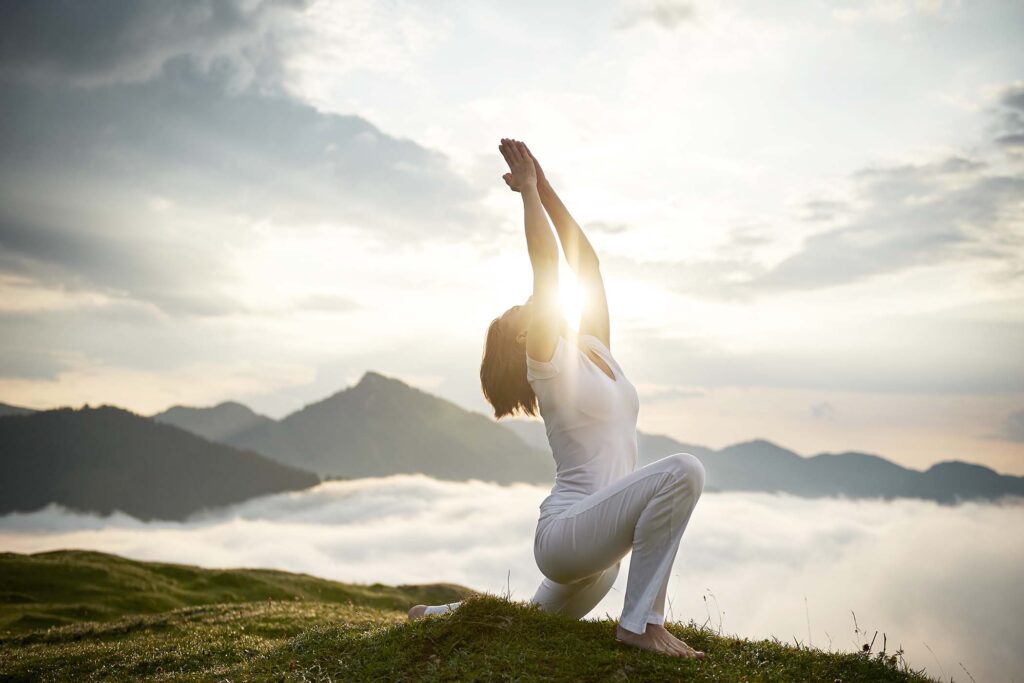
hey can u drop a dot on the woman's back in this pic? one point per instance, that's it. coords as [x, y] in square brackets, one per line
[589, 417]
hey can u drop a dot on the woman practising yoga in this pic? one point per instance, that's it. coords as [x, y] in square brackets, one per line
[601, 506]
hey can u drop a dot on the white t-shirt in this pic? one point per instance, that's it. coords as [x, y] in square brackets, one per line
[590, 420]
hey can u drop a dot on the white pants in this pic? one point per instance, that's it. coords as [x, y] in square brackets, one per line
[579, 549]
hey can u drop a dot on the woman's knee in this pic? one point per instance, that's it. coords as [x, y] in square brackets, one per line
[689, 470]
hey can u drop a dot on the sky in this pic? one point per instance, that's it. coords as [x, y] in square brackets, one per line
[810, 216]
[942, 582]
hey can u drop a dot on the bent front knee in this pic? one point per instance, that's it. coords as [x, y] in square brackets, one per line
[689, 470]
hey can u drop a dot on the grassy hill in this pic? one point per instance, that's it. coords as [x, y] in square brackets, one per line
[74, 615]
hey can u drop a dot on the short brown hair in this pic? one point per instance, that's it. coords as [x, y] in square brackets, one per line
[503, 373]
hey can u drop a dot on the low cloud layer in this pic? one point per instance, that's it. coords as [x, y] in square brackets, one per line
[944, 578]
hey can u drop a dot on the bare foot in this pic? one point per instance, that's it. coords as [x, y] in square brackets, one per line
[416, 611]
[657, 639]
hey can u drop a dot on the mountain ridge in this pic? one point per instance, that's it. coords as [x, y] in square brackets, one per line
[381, 426]
[752, 465]
[108, 459]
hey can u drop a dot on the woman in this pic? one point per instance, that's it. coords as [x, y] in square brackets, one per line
[601, 507]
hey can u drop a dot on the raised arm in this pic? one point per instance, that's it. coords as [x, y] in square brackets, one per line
[582, 259]
[542, 333]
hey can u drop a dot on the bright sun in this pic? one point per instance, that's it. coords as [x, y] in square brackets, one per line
[570, 297]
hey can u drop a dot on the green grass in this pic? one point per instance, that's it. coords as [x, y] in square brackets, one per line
[71, 586]
[145, 621]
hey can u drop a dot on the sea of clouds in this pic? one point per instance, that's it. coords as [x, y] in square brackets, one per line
[943, 582]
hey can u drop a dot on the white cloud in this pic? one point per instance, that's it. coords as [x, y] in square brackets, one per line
[921, 573]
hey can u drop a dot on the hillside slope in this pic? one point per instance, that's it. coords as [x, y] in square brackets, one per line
[71, 586]
[221, 422]
[382, 426]
[326, 631]
[107, 459]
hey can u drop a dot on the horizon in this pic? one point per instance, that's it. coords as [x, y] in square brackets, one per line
[519, 418]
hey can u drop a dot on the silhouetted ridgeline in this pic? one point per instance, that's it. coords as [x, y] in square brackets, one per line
[7, 409]
[382, 426]
[761, 465]
[106, 459]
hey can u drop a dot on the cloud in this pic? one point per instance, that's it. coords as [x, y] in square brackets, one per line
[146, 190]
[977, 358]
[607, 227]
[666, 14]
[892, 11]
[1012, 428]
[901, 566]
[911, 215]
[46, 41]
[823, 410]
[651, 392]
[961, 208]
[1011, 134]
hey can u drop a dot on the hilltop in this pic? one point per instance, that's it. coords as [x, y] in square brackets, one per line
[90, 616]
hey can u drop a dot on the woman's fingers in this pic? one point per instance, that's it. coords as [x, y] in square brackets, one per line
[513, 151]
[524, 154]
[503, 148]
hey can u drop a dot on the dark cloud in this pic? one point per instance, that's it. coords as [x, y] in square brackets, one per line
[80, 168]
[1010, 135]
[87, 43]
[1013, 97]
[178, 277]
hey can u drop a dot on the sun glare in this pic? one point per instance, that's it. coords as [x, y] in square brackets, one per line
[571, 297]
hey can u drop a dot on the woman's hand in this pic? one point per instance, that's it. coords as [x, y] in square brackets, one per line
[541, 179]
[523, 172]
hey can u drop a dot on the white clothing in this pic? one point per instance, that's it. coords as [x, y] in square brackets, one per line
[601, 506]
[589, 417]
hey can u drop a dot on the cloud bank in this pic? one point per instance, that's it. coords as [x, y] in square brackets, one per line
[752, 564]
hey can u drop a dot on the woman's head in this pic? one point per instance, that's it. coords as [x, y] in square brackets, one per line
[503, 368]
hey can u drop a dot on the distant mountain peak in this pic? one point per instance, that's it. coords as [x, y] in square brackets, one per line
[373, 378]
[374, 381]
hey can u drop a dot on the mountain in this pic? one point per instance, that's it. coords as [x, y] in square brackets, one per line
[761, 465]
[382, 426]
[222, 422]
[7, 409]
[106, 459]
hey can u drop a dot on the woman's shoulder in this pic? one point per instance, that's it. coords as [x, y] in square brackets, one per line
[561, 360]
[595, 342]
